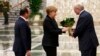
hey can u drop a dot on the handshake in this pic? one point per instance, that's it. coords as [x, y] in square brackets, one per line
[70, 30]
[64, 29]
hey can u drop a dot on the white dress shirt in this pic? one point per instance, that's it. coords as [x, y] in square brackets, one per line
[81, 11]
[24, 18]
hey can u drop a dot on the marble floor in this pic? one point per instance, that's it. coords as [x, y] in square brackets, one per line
[68, 45]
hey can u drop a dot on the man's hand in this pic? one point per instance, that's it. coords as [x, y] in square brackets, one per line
[28, 53]
[71, 32]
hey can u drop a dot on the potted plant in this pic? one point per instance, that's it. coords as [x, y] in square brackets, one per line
[35, 6]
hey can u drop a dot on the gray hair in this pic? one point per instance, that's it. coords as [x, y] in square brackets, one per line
[79, 6]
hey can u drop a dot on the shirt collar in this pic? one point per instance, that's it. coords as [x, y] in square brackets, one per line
[24, 18]
[81, 11]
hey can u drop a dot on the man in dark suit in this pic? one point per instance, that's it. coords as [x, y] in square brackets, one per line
[51, 32]
[85, 31]
[22, 42]
[6, 8]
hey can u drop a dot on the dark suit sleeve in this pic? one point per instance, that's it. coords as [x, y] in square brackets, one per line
[81, 26]
[51, 28]
[25, 36]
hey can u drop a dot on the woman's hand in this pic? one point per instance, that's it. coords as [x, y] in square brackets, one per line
[64, 29]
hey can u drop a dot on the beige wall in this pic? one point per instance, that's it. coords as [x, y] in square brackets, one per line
[65, 7]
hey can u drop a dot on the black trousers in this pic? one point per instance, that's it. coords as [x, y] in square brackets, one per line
[20, 53]
[5, 18]
[90, 52]
[50, 51]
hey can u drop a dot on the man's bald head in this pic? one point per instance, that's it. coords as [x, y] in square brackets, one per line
[78, 8]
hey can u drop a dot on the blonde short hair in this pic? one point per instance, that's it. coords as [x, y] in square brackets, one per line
[50, 9]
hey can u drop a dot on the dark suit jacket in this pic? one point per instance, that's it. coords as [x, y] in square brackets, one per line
[86, 32]
[51, 32]
[22, 40]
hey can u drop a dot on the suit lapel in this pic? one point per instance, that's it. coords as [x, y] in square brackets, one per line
[80, 17]
[53, 22]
